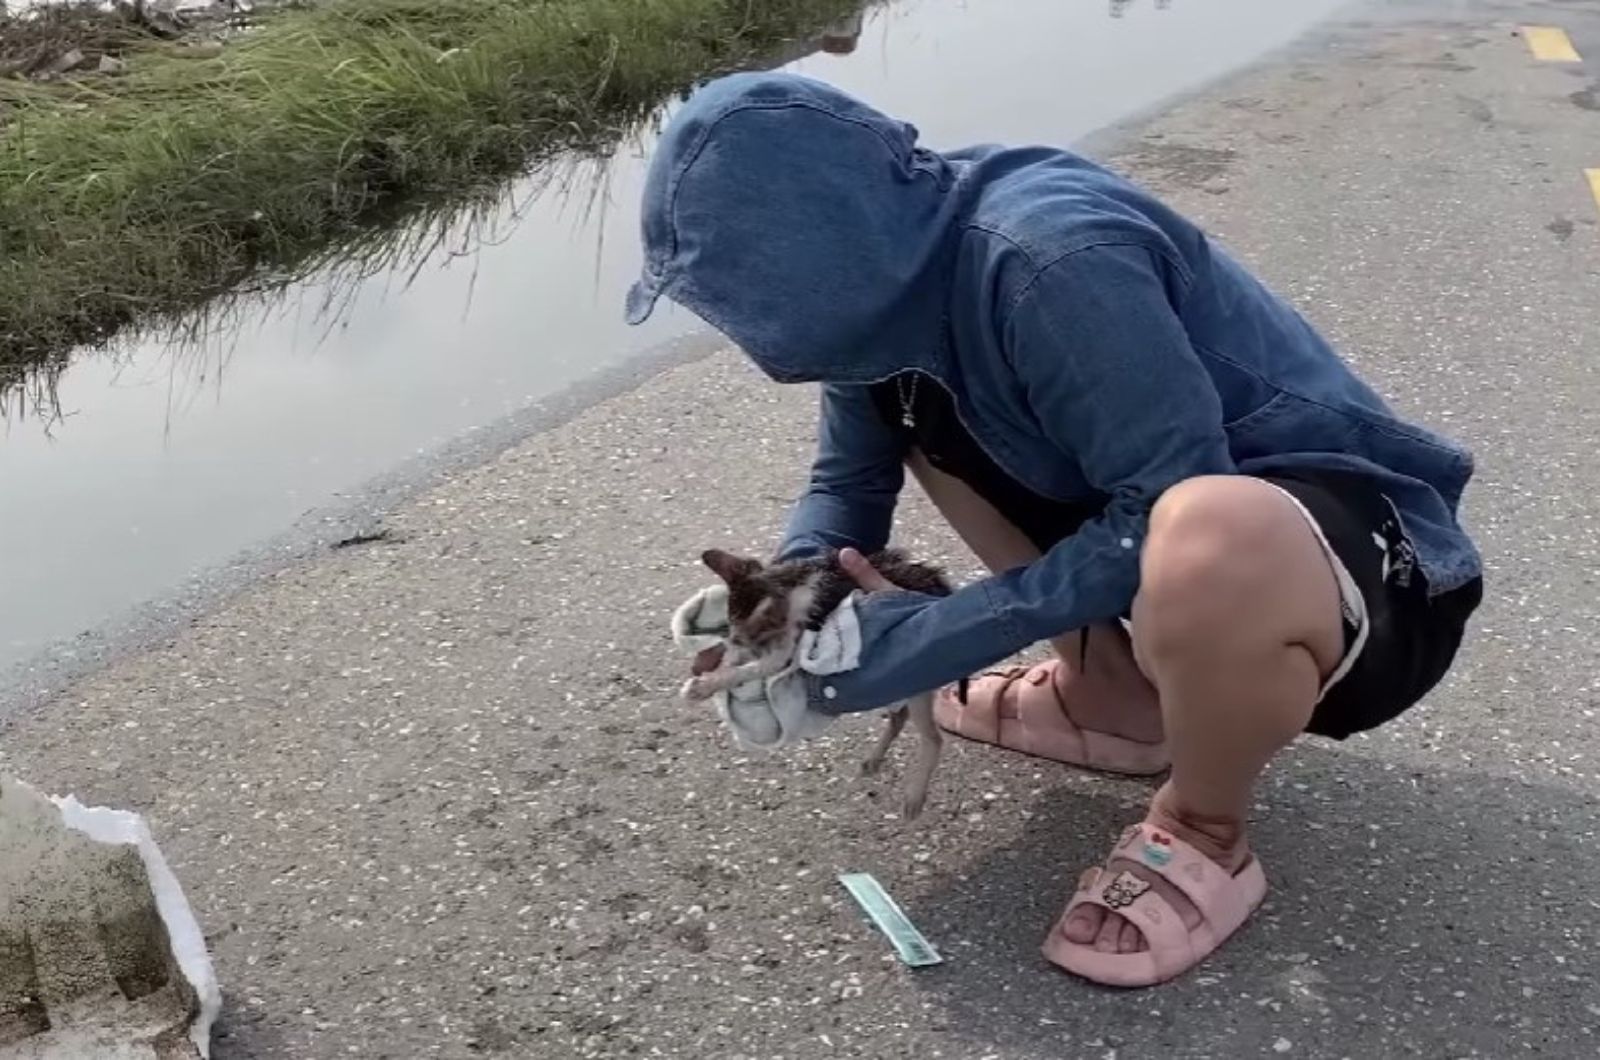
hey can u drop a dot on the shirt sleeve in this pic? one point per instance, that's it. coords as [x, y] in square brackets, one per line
[1102, 356]
[855, 479]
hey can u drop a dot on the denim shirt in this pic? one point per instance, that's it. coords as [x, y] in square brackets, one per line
[1092, 340]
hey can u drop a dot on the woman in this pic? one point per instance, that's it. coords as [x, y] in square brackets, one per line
[1228, 538]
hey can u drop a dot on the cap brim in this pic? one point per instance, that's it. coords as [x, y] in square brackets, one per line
[641, 300]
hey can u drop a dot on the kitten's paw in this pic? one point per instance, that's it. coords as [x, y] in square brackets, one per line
[911, 809]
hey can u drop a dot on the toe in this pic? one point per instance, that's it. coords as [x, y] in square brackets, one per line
[1083, 924]
[1132, 940]
[1109, 938]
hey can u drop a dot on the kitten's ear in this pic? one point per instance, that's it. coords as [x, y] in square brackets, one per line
[728, 567]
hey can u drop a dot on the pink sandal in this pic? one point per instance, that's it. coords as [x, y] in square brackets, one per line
[1038, 725]
[1225, 902]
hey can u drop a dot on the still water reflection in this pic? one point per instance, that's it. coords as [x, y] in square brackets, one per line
[169, 461]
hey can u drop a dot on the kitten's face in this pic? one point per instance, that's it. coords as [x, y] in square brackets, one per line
[758, 610]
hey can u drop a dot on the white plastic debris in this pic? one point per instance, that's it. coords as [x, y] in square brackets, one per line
[101, 957]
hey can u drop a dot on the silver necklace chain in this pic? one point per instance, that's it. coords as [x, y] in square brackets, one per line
[907, 396]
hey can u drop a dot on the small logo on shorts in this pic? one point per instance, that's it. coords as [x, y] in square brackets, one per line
[1399, 555]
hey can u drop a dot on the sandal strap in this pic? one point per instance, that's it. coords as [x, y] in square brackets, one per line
[982, 722]
[1137, 901]
[1009, 674]
[1036, 674]
[1222, 902]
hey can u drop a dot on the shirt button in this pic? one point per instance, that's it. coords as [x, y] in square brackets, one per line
[1126, 542]
[829, 692]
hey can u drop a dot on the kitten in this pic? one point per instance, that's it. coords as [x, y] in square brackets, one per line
[769, 607]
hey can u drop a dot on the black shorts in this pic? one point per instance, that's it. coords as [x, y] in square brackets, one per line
[1399, 642]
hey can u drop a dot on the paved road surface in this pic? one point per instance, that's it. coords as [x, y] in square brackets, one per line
[434, 798]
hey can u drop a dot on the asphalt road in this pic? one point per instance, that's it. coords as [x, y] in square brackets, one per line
[433, 796]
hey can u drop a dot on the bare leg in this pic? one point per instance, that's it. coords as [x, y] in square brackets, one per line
[1102, 690]
[1236, 623]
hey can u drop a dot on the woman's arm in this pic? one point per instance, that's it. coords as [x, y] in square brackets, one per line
[855, 479]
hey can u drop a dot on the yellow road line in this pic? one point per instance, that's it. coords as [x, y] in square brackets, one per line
[1550, 44]
[1594, 183]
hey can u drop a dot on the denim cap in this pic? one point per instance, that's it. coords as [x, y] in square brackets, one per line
[807, 227]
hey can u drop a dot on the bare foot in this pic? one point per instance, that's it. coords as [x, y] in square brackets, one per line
[1103, 689]
[1108, 932]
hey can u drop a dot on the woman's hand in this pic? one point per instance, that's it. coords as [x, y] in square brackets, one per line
[865, 574]
[882, 607]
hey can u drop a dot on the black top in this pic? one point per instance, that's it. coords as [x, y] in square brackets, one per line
[938, 431]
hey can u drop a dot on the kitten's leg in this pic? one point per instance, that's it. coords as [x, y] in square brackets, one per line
[764, 666]
[930, 741]
[723, 678]
[891, 729]
[706, 685]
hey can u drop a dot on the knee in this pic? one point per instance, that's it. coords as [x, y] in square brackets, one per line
[1207, 563]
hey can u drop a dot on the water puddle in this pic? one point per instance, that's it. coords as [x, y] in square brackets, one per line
[169, 461]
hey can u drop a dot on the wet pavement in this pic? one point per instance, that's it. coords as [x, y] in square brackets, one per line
[433, 796]
[169, 462]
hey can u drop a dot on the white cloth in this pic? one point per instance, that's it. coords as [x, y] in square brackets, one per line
[767, 715]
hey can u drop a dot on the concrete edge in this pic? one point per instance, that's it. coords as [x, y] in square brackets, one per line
[29, 685]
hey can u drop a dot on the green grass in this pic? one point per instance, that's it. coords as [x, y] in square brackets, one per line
[138, 197]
